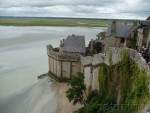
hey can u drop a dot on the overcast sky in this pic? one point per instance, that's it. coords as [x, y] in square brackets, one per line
[117, 9]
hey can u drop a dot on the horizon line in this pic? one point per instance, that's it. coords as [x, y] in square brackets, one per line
[68, 18]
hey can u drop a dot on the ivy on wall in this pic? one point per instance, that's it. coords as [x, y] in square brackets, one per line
[124, 77]
[121, 83]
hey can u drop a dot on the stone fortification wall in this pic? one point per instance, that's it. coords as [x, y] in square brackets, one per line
[61, 55]
[61, 65]
[91, 64]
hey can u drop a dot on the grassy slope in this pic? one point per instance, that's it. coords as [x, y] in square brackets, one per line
[54, 22]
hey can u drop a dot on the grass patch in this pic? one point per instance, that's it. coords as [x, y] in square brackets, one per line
[70, 22]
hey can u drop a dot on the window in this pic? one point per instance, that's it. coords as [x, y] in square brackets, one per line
[122, 40]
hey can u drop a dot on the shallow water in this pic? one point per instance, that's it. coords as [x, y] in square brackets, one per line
[23, 53]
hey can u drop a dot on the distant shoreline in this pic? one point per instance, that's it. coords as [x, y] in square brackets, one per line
[64, 22]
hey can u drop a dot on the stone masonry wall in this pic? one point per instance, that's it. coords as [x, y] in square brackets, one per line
[113, 42]
[92, 63]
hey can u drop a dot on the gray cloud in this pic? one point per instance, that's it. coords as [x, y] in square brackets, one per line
[135, 9]
[41, 3]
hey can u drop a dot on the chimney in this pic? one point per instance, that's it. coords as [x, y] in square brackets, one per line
[92, 44]
[113, 27]
[61, 43]
[135, 23]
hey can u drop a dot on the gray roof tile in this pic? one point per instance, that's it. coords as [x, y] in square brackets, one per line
[145, 22]
[121, 30]
[75, 43]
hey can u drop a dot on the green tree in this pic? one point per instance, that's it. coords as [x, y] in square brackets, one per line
[76, 92]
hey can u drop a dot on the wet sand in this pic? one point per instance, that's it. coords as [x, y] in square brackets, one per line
[44, 96]
[37, 98]
[63, 104]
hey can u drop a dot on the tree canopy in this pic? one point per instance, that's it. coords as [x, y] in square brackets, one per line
[76, 93]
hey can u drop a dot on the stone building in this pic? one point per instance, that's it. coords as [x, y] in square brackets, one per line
[143, 35]
[64, 62]
[118, 34]
[96, 45]
[101, 35]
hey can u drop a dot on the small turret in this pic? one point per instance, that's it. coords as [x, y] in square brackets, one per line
[49, 48]
[113, 28]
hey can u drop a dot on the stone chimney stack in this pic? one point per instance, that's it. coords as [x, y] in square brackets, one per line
[61, 47]
[63, 40]
[113, 27]
[92, 44]
[61, 43]
[135, 23]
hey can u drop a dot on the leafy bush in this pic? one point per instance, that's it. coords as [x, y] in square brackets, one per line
[76, 92]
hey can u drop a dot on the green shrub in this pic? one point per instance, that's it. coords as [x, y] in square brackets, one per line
[125, 80]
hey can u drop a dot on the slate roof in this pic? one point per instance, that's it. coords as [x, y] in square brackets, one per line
[121, 30]
[75, 43]
[148, 18]
[145, 22]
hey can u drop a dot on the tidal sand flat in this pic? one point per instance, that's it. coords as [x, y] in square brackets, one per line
[38, 98]
[23, 57]
[44, 96]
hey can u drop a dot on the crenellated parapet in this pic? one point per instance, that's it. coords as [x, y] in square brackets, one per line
[62, 56]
